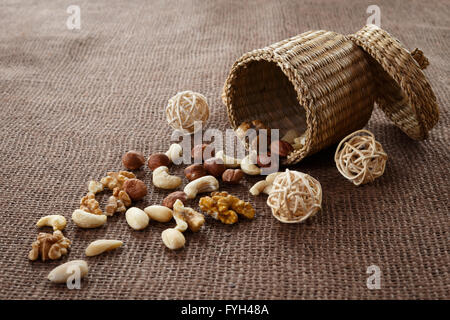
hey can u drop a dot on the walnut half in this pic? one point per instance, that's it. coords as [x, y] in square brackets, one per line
[116, 179]
[225, 207]
[89, 204]
[49, 246]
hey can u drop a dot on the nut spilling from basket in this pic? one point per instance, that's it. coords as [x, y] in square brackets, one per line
[310, 98]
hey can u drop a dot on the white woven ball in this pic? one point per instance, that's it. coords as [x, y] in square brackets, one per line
[294, 197]
[360, 158]
[185, 108]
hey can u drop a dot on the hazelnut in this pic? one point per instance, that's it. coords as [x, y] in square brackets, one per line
[195, 171]
[263, 160]
[133, 160]
[174, 196]
[214, 166]
[157, 160]
[282, 148]
[232, 176]
[198, 152]
[135, 188]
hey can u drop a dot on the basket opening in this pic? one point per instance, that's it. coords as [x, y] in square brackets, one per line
[261, 91]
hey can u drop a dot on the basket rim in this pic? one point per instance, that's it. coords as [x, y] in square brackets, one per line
[405, 71]
[304, 98]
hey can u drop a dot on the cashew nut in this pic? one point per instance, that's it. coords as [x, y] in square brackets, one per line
[181, 222]
[229, 162]
[58, 222]
[137, 218]
[248, 167]
[259, 187]
[194, 219]
[203, 184]
[159, 213]
[99, 246]
[268, 189]
[173, 239]
[264, 186]
[271, 177]
[85, 219]
[162, 179]
[62, 272]
[175, 153]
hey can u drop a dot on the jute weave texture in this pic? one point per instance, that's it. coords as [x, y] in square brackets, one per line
[71, 102]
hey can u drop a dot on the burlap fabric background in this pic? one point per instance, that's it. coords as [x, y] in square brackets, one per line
[71, 102]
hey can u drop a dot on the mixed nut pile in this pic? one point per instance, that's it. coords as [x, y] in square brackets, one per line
[293, 196]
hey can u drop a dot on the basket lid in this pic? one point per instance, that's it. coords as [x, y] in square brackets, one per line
[403, 91]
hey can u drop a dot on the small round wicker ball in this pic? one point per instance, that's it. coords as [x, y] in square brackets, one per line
[184, 109]
[360, 158]
[295, 196]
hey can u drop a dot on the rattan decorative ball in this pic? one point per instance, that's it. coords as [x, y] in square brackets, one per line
[360, 158]
[295, 197]
[185, 108]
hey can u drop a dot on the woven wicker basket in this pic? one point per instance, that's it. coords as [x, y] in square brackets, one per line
[318, 83]
[403, 91]
[323, 85]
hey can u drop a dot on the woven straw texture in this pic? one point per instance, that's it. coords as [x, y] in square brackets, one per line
[318, 83]
[402, 89]
[71, 102]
